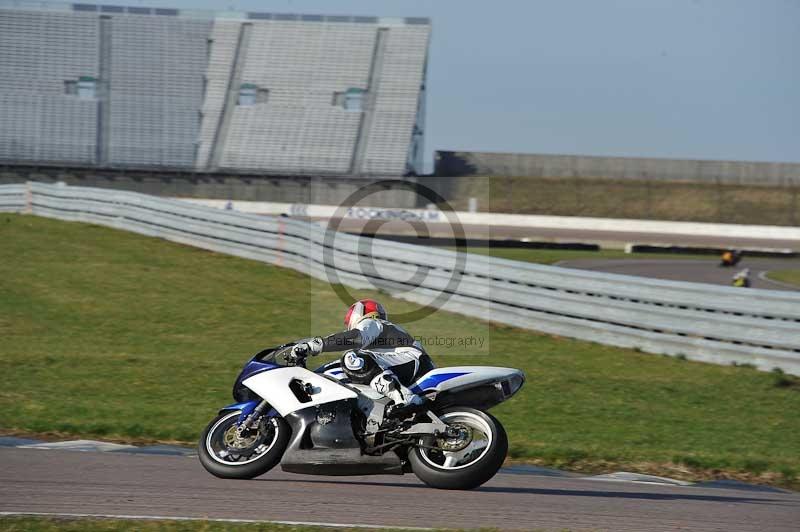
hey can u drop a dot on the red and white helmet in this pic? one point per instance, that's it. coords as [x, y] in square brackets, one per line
[363, 309]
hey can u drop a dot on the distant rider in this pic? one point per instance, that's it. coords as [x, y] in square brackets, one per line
[730, 257]
[742, 279]
[379, 353]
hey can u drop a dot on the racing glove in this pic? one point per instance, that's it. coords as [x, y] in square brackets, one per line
[308, 347]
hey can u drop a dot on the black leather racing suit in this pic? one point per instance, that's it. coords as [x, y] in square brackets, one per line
[382, 355]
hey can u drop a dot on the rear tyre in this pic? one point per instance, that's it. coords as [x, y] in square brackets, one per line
[227, 454]
[466, 461]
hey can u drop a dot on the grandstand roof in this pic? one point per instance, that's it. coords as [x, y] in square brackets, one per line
[206, 13]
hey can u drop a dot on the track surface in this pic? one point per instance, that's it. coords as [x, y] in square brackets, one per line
[698, 271]
[127, 484]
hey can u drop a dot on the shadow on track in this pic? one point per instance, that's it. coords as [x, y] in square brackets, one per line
[630, 495]
[557, 492]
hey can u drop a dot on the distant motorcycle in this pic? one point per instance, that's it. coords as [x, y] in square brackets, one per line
[730, 258]
[742, 279]
[318, 423]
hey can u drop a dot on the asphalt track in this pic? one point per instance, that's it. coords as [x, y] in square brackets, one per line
[698, 271]
[70, 482]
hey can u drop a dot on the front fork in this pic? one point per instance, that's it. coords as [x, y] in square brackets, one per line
[250, 412]
[250, 420]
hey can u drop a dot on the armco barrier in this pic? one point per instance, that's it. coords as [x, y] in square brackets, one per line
[703, 322]
[13, 198]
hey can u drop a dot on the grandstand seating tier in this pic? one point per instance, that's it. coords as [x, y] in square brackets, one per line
[141, 87]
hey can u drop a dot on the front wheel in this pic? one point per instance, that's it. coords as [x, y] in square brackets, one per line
[227, 453]
[464, 461]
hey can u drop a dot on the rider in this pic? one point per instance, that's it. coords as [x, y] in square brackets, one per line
[742, 279]
[378, 353]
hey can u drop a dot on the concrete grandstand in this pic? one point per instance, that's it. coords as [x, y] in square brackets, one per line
[115, 86]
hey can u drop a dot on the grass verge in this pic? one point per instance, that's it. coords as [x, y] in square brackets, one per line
[113, 335]
[785, 276]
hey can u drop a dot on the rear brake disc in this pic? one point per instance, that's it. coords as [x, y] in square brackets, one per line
[457, 443]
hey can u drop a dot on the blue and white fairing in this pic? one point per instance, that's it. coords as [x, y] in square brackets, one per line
[246, 401]
[275, 386]
[451, 379]
[253, 367]
[264, 377]
[332, 369]
[458, 378]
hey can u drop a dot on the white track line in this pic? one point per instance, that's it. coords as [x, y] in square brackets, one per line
[763, 276]
[219, 520]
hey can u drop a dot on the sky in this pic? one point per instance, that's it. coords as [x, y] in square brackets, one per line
[698, 79]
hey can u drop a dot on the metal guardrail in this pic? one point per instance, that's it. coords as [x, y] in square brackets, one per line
[12, 197]
[703, 322]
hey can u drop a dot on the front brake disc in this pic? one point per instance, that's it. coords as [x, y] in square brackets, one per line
[234, 441]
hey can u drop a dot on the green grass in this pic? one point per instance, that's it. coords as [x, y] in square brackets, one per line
[551, 256]
[49, 524]
[785, 276]
[111, 334]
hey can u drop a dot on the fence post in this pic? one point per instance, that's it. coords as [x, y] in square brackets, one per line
[279, 242]
[119, 221]
[28, 199]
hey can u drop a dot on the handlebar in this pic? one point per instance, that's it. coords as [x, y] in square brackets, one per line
[283, 352]
[300, 350]
[287, 352]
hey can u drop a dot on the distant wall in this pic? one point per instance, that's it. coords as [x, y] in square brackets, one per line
[636, 199]
[462, 163]
[330, 190]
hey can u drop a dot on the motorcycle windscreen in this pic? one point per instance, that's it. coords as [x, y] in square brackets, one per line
[292, 388]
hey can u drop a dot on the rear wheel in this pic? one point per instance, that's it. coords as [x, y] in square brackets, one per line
[226, 452]
[467, 459]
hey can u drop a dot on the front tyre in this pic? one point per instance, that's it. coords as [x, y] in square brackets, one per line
[226, 453]
[464, 461]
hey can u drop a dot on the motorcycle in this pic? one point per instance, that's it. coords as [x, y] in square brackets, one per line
[741, 279]
[319, 423]
[730, 258]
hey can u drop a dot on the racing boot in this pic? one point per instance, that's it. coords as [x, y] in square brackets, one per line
[405, 401]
